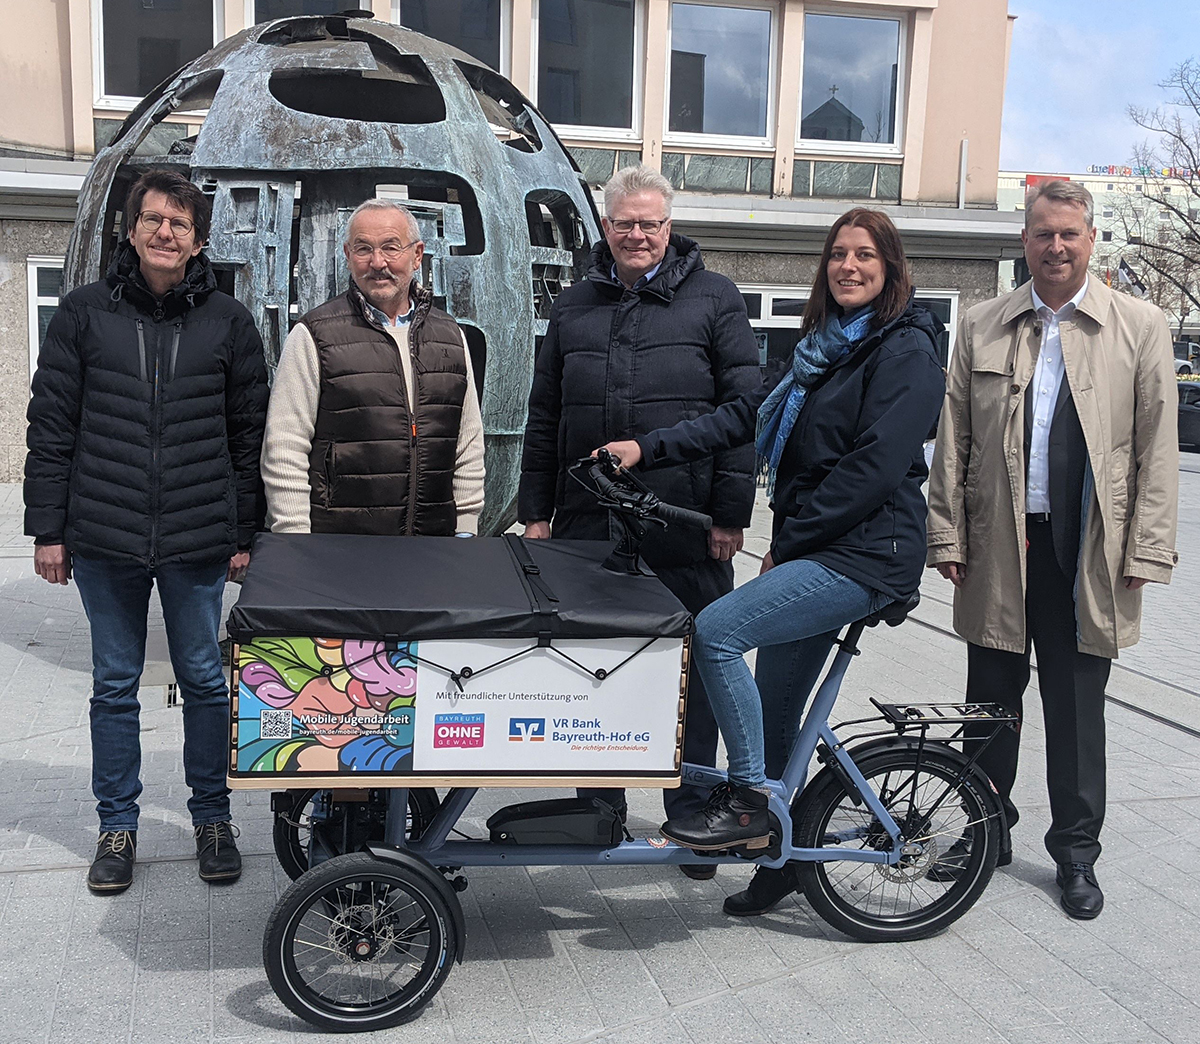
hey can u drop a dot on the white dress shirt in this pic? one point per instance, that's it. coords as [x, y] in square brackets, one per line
[1047, 380]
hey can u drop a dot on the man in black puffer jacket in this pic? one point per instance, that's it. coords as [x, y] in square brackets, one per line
[650, 338]
[145, 429]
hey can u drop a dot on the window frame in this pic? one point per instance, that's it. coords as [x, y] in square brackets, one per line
[34, 301]
[506, 33]
[744, 143]
[572, 131]
[128, 102]
[823, 146]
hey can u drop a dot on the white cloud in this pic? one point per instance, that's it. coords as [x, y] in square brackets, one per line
[1074, 69]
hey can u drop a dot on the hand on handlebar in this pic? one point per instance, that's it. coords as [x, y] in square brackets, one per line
[628, 453]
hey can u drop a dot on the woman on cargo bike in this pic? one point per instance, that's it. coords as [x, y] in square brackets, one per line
[842, 435]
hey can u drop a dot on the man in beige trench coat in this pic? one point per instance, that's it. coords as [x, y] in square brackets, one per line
[1052, 501]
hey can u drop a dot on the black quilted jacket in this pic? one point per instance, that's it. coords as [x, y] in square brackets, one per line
[146, 421]
[617, 363]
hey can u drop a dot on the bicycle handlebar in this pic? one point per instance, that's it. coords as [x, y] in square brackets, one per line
[626, 494]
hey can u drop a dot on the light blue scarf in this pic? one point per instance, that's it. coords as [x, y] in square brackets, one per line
[814, 354]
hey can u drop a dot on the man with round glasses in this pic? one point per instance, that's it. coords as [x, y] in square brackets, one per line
[648, 339]
[374, 423]
[145, 428]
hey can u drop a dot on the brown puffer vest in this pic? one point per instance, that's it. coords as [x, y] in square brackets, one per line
[377, 467]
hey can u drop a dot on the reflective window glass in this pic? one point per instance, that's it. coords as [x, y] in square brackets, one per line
[144, 43]
[470, 25]
[585, 62]
[720, 70]
[849, 86]
[269, 10]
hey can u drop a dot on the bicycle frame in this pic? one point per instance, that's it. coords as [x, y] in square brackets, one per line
[435, 847]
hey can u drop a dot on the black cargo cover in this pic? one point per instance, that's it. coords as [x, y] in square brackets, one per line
[410, 588]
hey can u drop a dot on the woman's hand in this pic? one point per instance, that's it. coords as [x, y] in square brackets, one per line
[628, 453]
[767, 563]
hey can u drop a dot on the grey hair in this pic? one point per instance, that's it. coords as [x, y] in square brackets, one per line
[414, 229]
[630, 180]
[1059, 191]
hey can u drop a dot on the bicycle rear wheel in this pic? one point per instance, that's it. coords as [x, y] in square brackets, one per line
[938, 808]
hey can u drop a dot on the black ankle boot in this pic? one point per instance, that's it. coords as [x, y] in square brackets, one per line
[112, 869]
[734, 817]
[766, 889]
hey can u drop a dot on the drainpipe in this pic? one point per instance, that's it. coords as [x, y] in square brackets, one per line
[962, 174]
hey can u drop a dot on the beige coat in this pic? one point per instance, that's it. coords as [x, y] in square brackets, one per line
[1119, 369]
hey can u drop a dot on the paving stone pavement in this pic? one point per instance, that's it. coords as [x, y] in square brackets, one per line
[623, 955]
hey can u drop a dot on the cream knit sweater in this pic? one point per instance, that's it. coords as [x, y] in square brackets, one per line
[292, 418]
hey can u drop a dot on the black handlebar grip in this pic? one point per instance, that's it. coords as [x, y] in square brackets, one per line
[670, 513]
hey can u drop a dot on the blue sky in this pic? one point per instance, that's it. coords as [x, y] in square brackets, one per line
[1074, 68]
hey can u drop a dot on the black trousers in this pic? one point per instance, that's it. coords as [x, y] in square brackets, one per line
[1072, 688]
[696, 586]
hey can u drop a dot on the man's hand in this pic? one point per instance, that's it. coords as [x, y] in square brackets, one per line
[52, 562]
[537, 530]
[955, 572]
[1135, 582]
[723, 543]
[767, 563]
[237, 566]
[628, 454]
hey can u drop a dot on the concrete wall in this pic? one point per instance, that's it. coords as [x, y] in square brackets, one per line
[35, 77]
[968, 64]
[18, 241]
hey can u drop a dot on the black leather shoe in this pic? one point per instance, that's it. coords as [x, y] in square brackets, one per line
[1081, 895]
[953, 861]
[219, 858]
[767, 888]
[112, 869]
[699, 871]
[734, 817]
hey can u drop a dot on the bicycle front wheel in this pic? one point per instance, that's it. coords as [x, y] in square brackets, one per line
[950, 834]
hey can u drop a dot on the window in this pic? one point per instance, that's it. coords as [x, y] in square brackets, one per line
[1108, 212]
[720, 78]
[142, 43]
[45, 279]
[850, 86]
[1105, 237]
[1110, 188]
[269, 10]
[470, 25]
[586, 62]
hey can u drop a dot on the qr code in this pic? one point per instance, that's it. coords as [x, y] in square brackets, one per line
[275, 724]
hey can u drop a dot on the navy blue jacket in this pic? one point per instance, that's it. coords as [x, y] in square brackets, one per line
[848, 490]
[146, 421]
[616, 363]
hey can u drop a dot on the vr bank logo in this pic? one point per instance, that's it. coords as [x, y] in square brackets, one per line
[457, 730]
[532, 729]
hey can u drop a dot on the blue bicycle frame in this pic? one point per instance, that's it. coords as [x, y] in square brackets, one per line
[435, 847]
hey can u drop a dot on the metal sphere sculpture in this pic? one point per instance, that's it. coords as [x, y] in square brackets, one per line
[309, 116]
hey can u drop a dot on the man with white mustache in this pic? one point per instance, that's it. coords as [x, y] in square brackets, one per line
[360, 439]
[1052, 501]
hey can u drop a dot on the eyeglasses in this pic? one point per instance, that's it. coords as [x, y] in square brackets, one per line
[649, 228]
[391, 250]
[152, 222]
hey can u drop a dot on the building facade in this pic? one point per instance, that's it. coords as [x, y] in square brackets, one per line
[771, 117]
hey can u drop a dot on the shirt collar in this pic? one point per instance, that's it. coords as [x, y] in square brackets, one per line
[642, 281]
[1065, 310]
[382, 318]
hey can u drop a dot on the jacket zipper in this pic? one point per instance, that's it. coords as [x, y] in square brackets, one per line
[412, 428]
[174, 352]
[155, 451]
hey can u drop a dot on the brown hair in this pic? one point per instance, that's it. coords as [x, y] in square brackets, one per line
[179, 190]
[897, 284]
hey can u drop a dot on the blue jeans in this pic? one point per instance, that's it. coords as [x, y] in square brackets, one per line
[116, 597]
[791, 614]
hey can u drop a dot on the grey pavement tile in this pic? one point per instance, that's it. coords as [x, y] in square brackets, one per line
[784, 1011]
[732, 944]
[664, 1030]
[676, 960]
[1109, 1022]
[723, 1018]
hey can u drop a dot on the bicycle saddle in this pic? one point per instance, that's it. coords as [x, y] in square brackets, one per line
[893, 613]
